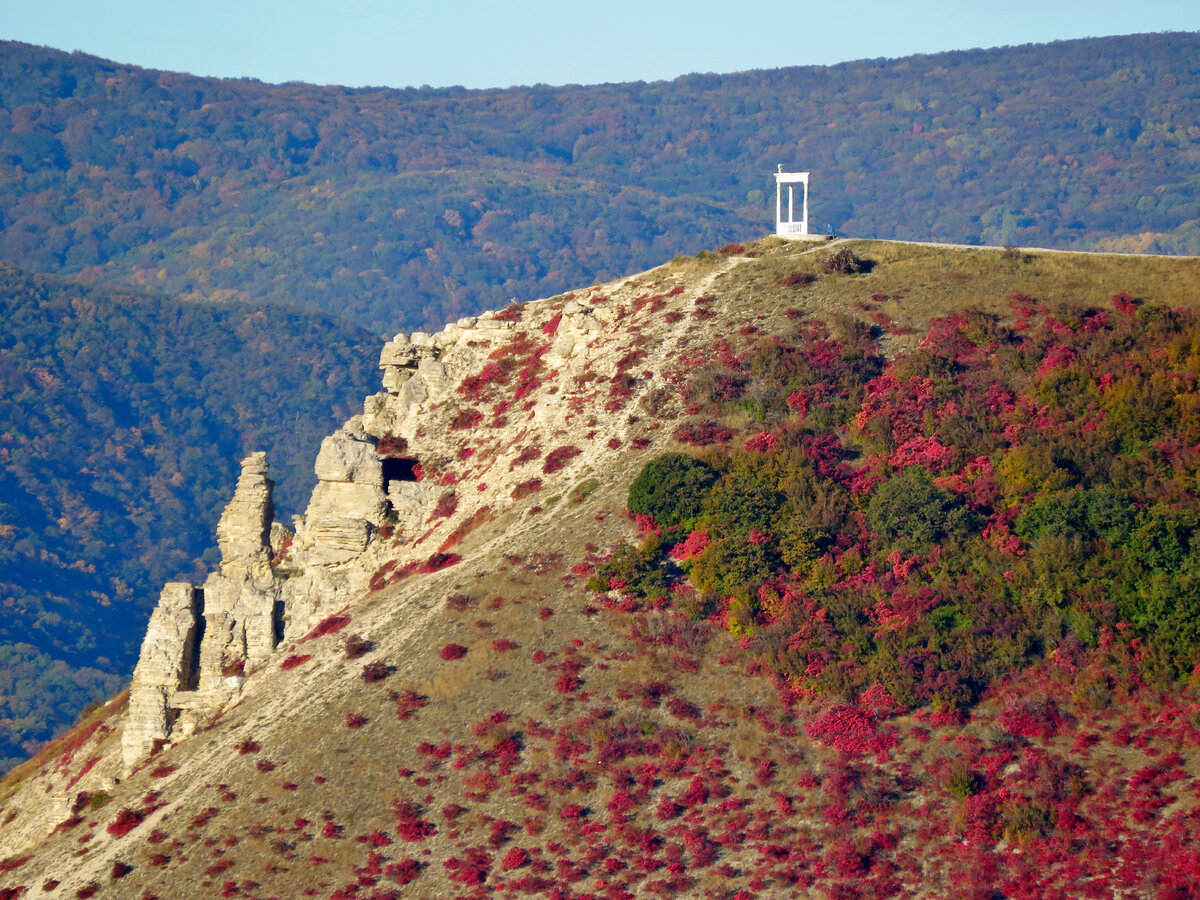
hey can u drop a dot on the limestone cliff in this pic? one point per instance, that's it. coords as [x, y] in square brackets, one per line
[205, 642]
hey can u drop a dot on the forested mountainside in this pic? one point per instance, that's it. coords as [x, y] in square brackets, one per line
[849, 570]
[122, 417]
[412, 207]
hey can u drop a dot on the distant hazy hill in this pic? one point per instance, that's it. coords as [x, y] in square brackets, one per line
[410, 207]
[122, 416]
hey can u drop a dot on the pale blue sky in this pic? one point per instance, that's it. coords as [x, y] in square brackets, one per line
[496, 44]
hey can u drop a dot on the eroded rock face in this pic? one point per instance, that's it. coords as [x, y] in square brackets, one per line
[274, 584]
[346, 457]
[243, 534]
[195, 635]
[347, 503]
[165, 667]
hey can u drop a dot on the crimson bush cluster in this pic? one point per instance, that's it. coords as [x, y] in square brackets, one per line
[968, 493]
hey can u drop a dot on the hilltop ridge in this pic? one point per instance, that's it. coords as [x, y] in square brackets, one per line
[465, 669]
[409, 208]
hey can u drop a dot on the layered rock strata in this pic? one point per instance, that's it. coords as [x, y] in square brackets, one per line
[164, 669]
[275, 583]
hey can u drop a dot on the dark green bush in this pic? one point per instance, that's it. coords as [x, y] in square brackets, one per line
[633, 570]
[672, 488]
[1098, 512]
[743, 499]
[913, 513]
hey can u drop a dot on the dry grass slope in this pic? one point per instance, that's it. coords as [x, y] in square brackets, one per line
[579, 747]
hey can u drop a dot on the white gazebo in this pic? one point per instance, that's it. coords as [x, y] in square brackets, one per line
[789, 227]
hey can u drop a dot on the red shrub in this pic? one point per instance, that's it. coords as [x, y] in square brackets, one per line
[567, 683]
[467, 417]
[557, 459]
[452, 811]
[525, 488]
[683, 709]
[501, 831]
[691, 547]
[702, 433]
[668, 809]
[328, 625]
[355, 646]
[409, 824]
[622, 803]
[452, 651]
[408, 702]
[405, 871]
[439, 561]
[503, 645]
[528, 454]
[466, 872]
[763, 442]
[375, 671]
[475, 386]
[446, 505]
[218, 867]
[126, 820]
[849, 729]
[295, 660]
[355, 720]
[1124, 303]
[375, 839]
[515, 858]
[1034, 719]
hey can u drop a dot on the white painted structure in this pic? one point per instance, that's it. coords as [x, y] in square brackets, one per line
[789, 227]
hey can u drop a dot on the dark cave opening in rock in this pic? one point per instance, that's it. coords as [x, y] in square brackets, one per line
[398, 468]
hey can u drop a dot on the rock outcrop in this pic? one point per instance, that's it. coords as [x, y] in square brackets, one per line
[164, 669]
[242, 532]
[201, 642]
[348, 502]
[273, 583]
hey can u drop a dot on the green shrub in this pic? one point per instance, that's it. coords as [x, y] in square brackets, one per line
[963, 782]
[743, 499]
[1099, 512]
[734, 567]
[672, 488]
[912, 513]
[638, 571]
